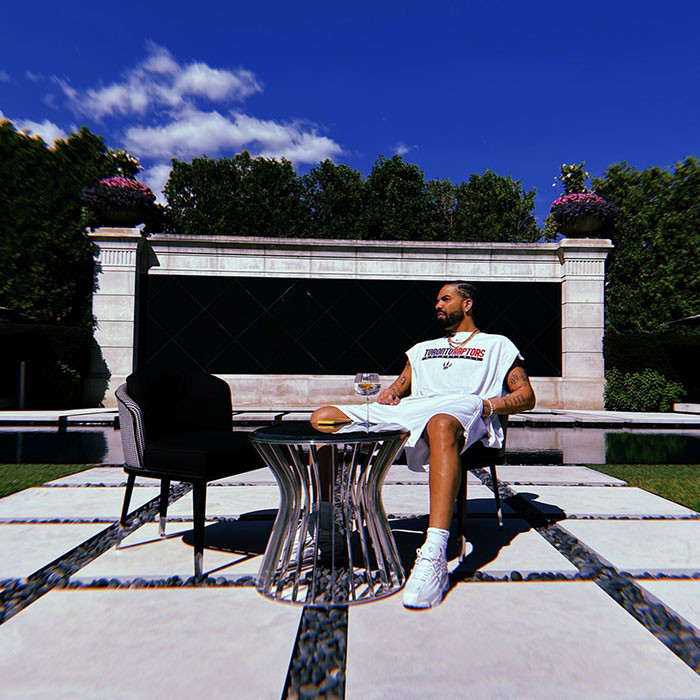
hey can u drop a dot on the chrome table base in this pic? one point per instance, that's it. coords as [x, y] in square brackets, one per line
[340, 552]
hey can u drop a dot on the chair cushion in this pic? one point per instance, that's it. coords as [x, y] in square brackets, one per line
[202, 455]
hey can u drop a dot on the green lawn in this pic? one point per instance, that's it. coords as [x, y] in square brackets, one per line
[15, 477]
[676, 482]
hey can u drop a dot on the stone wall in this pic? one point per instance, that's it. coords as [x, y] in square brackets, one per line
[578, 264]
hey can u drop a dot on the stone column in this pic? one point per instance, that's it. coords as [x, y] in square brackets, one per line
[114, 309]
[582, 323]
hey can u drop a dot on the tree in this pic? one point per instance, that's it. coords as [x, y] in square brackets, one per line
[334, 194]
[396, 202]
[203, 196]
[442, 203]
[653, 274]
[273, 198]
[239, 196]
[491, 207]
[46, 260]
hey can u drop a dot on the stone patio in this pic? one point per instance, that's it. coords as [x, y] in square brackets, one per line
[121, 626]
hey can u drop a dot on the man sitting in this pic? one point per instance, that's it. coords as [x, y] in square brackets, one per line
[448, 396]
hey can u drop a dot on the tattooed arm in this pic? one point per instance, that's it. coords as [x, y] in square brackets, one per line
[400, 388]
[520, 396]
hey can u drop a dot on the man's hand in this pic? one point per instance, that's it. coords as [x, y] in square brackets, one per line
[396, 391]
[388, 396]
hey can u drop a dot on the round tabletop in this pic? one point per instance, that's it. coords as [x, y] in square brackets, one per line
[303, 432]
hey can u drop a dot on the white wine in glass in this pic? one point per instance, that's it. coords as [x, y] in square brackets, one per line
[367, 385]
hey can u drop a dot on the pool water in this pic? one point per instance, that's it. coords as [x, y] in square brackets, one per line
[546, 446]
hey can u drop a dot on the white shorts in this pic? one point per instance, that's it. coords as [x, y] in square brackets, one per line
[414, 412]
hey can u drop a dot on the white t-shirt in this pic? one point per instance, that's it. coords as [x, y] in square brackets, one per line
[479, 367]
[449, 380]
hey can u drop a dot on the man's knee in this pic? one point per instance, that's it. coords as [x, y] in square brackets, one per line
[328, 413]
[445, 430]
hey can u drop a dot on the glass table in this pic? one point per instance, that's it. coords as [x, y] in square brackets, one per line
[341, 552]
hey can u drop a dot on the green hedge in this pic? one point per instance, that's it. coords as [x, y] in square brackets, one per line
[57, 359]
[671, 354]
[641, 391]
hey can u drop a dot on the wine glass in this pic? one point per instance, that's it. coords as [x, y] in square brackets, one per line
[367, 385]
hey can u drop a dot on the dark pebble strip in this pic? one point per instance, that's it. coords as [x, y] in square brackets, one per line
[317, 667]
[690, 516]
[19, 594]
[93, 485]
[682, 639]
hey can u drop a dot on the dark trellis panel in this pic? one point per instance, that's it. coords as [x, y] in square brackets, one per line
[248, 325]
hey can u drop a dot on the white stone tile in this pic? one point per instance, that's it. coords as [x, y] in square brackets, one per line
[562, 476]
[581, 365]
[100, 476]
[257, 476]
[113, 307]
[178, 643]
[401, 474]
[583, 393]
[546, 390]
[493, 550]
[231, 549]
[71, 503]
[399, 499]
[582, 291]
[582, 315]
[577, 339]
[117, 282]
[382, 269]
[682, 597]
[599, 500]
[324, 267]
[514, 547]
[230, 501]
[511, 640]
[638, 546]
[25, 549]
[119, 360]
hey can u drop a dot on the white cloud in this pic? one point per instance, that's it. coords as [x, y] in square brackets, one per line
[156, 177]
[401, 149]
[160, 81]
[217, 85]
[195, 133]
[68, 91]
[4, 76]
[34, 77]
[47, 130]
[164, 109]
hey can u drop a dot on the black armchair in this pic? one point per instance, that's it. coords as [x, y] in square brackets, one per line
[479, 457]
[177, 426]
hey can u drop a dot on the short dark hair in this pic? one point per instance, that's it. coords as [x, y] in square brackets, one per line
[464, 289]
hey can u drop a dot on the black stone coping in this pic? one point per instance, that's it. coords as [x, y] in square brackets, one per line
[304, 432]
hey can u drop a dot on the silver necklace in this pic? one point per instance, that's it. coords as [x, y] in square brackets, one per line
[455, 344]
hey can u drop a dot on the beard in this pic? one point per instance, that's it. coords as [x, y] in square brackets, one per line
[451, 319]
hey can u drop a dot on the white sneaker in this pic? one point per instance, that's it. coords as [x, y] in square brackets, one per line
[307, 550]
[428, 581]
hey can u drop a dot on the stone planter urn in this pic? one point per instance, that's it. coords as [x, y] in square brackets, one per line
[582, 214]
[585, 226]
[118, 201]
[126, 217]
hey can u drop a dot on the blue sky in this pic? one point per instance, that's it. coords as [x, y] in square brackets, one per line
[457, 87]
